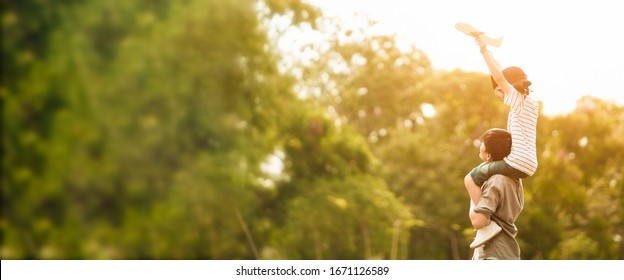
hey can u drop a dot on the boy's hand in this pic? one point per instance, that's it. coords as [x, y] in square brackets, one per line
[482, 45]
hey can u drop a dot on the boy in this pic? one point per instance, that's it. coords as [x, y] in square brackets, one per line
[512, 85]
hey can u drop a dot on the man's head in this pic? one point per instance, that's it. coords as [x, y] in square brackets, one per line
[496, 144]
[516, 77]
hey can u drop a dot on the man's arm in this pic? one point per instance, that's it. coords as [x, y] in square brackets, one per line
[478, 220]
[488, 203]
[494, 67]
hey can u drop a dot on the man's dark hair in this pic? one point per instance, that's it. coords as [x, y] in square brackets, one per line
[497, 142]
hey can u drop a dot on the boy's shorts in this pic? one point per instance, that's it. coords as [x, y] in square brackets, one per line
[485, 170]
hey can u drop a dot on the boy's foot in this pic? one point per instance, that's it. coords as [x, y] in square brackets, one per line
[485, 234]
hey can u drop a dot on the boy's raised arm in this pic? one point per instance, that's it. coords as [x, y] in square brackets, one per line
[494, 67]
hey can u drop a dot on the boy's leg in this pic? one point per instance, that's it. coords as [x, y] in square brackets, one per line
[478, 175]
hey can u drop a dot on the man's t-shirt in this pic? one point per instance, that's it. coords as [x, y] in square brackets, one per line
[502, 201]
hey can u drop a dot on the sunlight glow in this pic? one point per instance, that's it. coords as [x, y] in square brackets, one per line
[274, 164]
[566, 55]
[583, 142]
[428, 110]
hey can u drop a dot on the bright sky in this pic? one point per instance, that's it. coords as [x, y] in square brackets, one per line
[567, 48]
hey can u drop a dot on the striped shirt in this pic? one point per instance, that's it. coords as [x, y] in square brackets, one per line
[522, 124]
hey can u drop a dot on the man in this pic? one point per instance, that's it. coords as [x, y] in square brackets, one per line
[502, 201]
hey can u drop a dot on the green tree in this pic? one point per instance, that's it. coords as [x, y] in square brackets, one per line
[115, 109]
[331, 206]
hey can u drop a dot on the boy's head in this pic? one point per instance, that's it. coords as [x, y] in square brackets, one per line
[496, 144]
[516, 77]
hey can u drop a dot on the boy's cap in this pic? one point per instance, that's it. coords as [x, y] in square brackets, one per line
[514, 75]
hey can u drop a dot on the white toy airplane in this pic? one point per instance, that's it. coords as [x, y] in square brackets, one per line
[473, 32]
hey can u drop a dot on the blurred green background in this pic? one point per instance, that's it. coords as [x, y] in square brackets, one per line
[155, 129]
